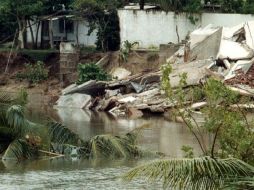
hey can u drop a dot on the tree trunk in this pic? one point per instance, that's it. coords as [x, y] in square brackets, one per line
[51, 34]
[141, 4]
[77, 33]
[21, 43]
[31, 32]
[37, 34]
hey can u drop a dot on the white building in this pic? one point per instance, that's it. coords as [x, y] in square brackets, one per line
[64, 28]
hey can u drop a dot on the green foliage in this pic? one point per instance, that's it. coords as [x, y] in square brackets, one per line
[22, 8]
[188, 151]
[34, 73]
[62, 135]
[126, 49]
[191, 6]
[8, 25]
[101, 15]
[197, 94]
[19, 150]
[91, 71]
[109, 146]
[232, 133]
[195, 173]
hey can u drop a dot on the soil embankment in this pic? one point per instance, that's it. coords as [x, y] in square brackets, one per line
[48, 91]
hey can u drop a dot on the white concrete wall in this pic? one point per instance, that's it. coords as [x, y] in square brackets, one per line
[84, 38]
[152, 28]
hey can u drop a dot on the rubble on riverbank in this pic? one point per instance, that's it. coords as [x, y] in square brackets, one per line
[224, 53]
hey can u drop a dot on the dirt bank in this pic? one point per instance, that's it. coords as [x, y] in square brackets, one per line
[47, 92]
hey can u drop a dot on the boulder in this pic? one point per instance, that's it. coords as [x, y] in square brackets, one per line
[120, 73]
[75, 100]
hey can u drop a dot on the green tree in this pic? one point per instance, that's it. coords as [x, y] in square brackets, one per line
[102, 16]
[232, 136]
[22, 10]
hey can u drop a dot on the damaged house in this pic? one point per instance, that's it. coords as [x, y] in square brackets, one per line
[49, 31]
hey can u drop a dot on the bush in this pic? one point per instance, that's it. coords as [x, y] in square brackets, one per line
[34, 73]
[90, 71]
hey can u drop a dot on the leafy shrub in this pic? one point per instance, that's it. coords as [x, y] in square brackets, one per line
[34, 73]
[126, 49]
[91, 71]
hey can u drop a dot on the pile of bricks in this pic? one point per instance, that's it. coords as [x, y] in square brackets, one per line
[241, 78]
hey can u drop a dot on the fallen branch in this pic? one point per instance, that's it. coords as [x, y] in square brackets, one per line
[51, 153]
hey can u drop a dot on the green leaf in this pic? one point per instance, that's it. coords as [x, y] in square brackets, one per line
[197, 173]
[19, 150]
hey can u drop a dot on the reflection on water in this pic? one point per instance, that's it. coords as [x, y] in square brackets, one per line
[163, 136]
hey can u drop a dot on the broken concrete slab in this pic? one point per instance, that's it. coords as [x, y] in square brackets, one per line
[241, 65]
[91, 87]
[241, 91]
[201, 34]
[69, 88]
[234, 50]
[207, 48]
[128, 99]
[137, 87]
[149, 93]
[195, 72]
[103, 61]
[198, 105]
[249, 33]
[157, 109]
[230, 32]
[244, 106]
[75, 100]
[120, 73]
[111, 93]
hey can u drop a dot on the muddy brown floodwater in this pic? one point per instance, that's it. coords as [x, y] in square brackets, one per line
[162, 135]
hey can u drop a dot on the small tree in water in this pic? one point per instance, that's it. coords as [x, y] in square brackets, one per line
[232, 142]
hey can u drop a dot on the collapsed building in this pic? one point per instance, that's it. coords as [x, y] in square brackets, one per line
[222, 52]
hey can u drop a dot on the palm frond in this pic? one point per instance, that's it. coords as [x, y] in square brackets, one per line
[60, 134]
[18, 150]
[110, 146]
[197, 173]
[246, 183]
[15, 118]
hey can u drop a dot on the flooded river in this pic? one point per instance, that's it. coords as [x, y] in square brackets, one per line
[162, 135]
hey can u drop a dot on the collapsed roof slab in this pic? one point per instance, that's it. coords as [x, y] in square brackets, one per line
[243, 65]
[234, 50]
[229, 32]
[249, 34]
[207, 48]
[201, 34]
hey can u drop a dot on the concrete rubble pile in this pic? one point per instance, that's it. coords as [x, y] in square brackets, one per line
[224, 53]
[227, 53]
[127, 95]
